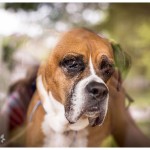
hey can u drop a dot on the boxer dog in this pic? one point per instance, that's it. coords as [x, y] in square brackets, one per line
[76, 90]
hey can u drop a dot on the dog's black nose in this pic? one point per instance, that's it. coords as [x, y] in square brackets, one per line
[97, 90]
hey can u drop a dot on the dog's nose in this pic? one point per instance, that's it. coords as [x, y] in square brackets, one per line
[97, 90]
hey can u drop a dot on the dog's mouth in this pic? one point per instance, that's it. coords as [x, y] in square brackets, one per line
[92, 114]
[95, 115]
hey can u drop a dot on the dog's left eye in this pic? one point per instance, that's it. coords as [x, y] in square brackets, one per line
[73, 64]
[107, 68]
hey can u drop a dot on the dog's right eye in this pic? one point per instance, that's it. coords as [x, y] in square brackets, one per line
[73, 64]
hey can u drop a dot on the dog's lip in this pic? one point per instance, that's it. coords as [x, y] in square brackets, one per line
[92, 110]
[92, 114]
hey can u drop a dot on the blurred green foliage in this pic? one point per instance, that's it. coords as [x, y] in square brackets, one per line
[8, 50]
[109, 142]
[9, 45]
[127, 23]
[144, 125]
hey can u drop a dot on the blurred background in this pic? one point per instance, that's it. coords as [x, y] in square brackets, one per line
[29, 30]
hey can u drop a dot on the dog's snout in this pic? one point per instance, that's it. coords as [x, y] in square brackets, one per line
[97, 90]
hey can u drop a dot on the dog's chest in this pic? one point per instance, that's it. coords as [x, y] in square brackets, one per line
[65, 139]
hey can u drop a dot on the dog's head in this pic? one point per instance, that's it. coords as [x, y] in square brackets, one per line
[77, 73]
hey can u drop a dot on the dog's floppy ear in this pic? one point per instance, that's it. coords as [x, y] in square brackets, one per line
[122, 61]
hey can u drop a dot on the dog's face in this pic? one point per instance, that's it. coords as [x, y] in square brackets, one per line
[77, 72]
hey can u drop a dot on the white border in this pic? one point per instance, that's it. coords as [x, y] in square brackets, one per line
[88, 148]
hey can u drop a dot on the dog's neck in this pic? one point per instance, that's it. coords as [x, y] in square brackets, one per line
[55, 113]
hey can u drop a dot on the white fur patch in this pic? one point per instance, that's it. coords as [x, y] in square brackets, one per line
[54, 129]
[47, 104]
[79, 125]
[92, 71]
[54, 110]
[72, 139]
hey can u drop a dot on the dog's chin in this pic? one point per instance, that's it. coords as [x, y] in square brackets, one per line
[94, 117]
[69, 116]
